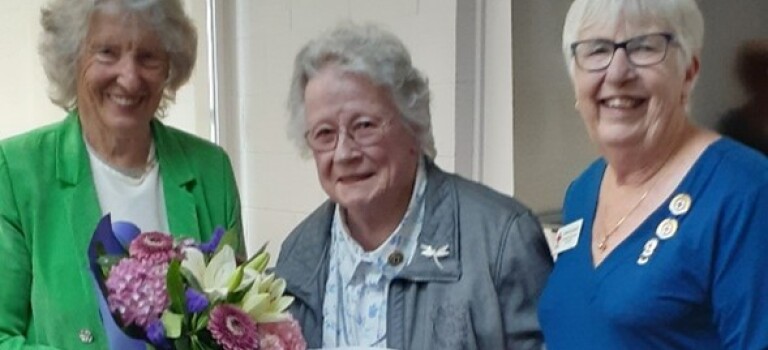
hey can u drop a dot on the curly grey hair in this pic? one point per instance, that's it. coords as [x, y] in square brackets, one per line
[680, 17]
[372, 52]
[65, 27]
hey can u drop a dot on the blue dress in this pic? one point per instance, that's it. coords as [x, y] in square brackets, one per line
[700, 282]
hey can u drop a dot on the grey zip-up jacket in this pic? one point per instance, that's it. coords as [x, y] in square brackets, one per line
[484, 297]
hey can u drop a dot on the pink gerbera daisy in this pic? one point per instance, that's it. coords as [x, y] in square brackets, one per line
[154, 247]
[232, 328]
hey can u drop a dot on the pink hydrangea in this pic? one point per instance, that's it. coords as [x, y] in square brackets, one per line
[232, 328]
[284, 335]
[136, 291]
[154, 247]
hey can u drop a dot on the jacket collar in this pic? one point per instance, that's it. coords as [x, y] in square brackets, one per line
[72, 165]
[440, 229]
[178, 181]
[73, 169]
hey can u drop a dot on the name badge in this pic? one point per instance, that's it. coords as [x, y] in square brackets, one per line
[568, 236]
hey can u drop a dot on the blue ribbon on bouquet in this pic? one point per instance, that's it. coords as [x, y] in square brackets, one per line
[109, 239]
[113, 239]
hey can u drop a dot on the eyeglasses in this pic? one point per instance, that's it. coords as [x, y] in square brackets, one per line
[645, 50]
[363, 131]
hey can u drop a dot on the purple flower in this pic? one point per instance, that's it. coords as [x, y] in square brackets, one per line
[156, 335]
[232, 328]
[210, 246]
[137, 291]
[196, 301]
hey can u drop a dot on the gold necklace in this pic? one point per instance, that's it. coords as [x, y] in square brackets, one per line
[603, 243]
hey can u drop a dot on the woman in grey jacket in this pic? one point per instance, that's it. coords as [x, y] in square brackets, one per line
[402, 255]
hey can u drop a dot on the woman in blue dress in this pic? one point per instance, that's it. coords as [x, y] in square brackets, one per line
[666, 238]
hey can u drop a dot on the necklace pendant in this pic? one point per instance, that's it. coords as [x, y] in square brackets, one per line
[602, 246]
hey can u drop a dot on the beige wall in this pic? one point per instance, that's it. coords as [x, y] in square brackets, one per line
[551, 145]
[23, 96]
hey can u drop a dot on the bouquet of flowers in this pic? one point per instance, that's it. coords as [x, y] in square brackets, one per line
[182, 294]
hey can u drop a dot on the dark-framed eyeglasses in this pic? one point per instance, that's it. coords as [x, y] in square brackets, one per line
[642, 51]
[363, 131]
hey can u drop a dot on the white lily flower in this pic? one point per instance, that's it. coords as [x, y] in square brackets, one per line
[216, 277]
[265, 301]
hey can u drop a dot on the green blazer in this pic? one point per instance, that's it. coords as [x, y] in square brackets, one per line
[49, 209]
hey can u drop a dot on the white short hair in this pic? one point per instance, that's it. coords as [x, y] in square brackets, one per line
[376, 54]
[682, 18]
[65, 27]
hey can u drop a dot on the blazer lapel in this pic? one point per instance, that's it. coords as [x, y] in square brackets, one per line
[178, 182]
[73, 170]
[79, 196]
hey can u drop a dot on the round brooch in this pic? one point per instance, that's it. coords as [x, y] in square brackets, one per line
[680, 204]
[666, 228]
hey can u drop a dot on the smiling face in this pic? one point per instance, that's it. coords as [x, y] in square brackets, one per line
[122, 71]
[628, 107]
[378, 176]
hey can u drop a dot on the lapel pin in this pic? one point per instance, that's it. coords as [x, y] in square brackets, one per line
[648, 250]
[666, 228]
[680, 204]
[429, 252]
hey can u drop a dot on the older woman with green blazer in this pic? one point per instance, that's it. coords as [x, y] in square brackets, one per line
[113, 68]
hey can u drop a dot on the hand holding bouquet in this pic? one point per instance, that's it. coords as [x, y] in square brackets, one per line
[180, 294]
